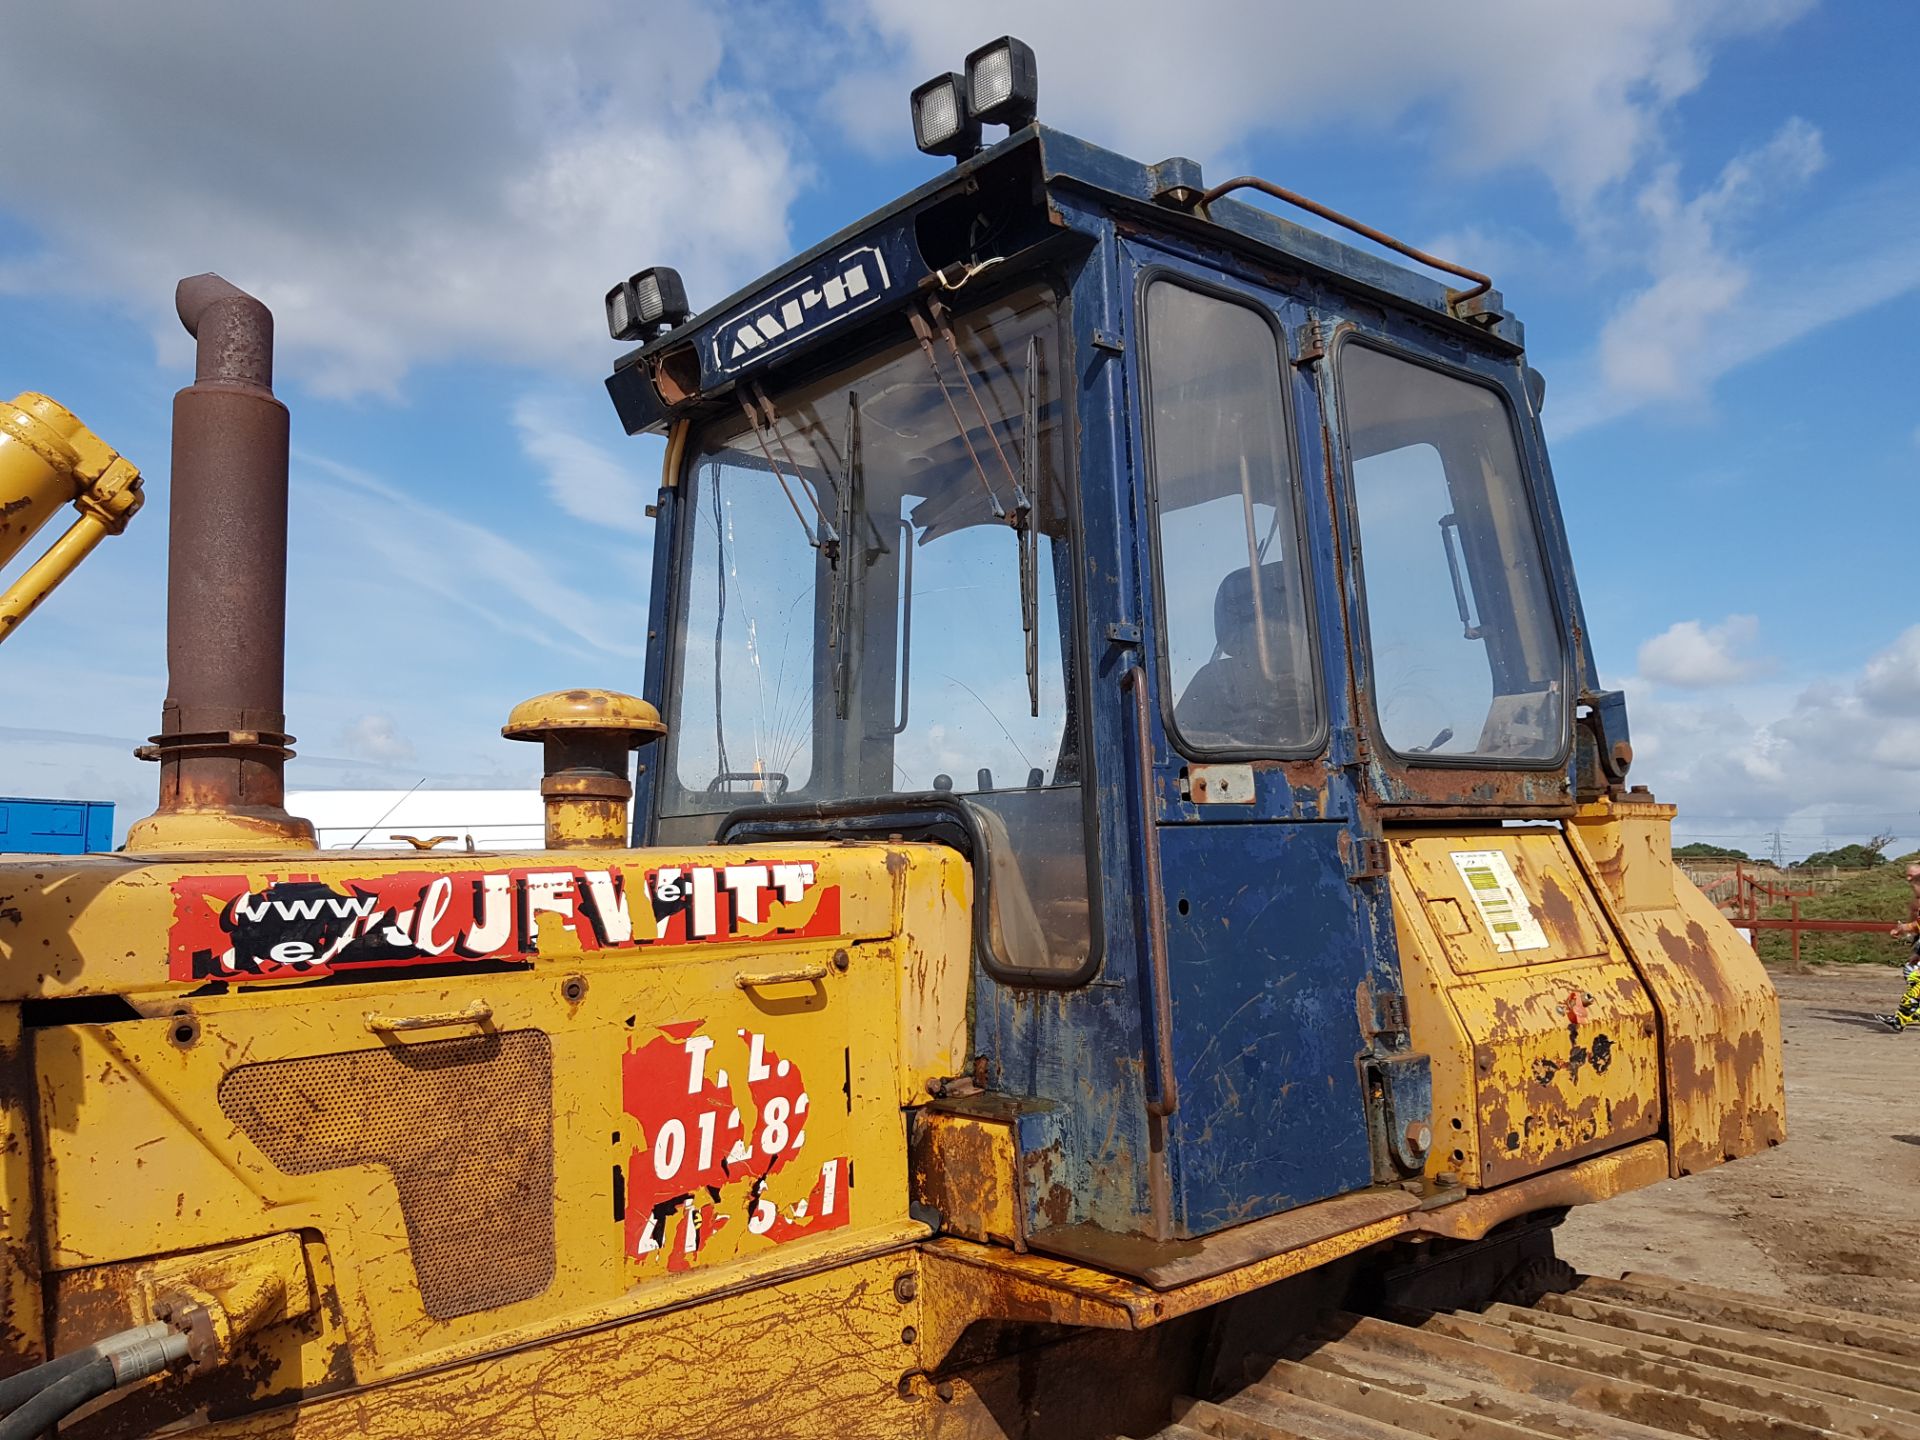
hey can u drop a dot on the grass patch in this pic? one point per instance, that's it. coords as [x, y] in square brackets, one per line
[1880, 893]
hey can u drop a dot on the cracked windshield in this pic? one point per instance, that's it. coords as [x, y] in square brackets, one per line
[876, 600]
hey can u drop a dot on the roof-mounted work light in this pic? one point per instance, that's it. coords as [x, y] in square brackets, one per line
[643, 304]
[1003, 83]
[942, 123]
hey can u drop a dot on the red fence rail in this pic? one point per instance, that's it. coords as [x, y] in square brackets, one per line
[1744, 894]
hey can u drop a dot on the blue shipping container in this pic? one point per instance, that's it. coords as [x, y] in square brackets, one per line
[55, 827]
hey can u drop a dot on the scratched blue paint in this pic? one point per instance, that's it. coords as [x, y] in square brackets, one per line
[1267, 950]
[1268, 961]
[1085, 1048]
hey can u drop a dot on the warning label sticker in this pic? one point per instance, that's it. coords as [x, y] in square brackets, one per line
[1497, 896]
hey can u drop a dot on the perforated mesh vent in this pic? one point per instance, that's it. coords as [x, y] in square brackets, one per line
[465, 1126]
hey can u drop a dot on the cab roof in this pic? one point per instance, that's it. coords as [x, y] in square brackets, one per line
[878, 263]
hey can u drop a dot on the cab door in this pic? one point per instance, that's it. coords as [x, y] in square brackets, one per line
[1276, 937]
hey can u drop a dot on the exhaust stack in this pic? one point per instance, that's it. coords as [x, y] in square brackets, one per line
[223, 745]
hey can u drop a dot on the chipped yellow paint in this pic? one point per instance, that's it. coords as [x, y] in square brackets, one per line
[22, 1326]
[1541, 1055]
[1725, 1092]
[964, 1167]
[141, 1160]
[820, 1354]
[1585, 1182]
[935, 902]
[98, 924]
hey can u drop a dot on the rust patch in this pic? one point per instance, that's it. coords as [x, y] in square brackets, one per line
[1561, 921]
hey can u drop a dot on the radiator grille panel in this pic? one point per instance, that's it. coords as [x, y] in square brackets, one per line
[464, 1125]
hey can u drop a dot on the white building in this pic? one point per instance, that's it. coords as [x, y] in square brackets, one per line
[474, 819]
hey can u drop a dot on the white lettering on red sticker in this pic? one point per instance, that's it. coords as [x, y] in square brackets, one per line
[226, 928]
[706, 1159]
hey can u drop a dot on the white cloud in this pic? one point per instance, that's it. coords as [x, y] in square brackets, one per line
[1694, 656]
[1891, 683]
[1795, 276]
[401, 184]
[1707, 276]
[1650, 347]
[606, 488]
[508, 586]
[1575, 89]
[375, 737]
[1823, 763]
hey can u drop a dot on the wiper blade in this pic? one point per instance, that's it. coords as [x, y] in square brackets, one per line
[938, 314]
[1025, 480]
[1027, 531]
[830, 546]
[923, 332]
[837, 639]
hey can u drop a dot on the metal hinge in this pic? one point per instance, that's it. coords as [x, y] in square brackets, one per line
[1313, 345]
[1389, 1013]
[1350, 745]
[1366, 859]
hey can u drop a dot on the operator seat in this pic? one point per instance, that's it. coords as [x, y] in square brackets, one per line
[1233, 700]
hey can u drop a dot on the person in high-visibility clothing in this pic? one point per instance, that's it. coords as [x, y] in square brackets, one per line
[1907, 1014]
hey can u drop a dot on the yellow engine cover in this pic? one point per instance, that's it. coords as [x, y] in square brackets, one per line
[606, 1084]
[1544, 1040]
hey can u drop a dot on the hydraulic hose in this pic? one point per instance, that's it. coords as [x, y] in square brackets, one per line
[16, 1389]
[60, 1399]
[47, 1394]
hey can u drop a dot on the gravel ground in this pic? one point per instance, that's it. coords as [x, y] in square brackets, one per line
[1832, 1217]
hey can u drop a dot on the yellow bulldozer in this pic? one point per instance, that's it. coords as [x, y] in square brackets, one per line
[1168, 974]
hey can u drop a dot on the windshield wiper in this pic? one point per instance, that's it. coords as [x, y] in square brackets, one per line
[830, 546]
[843, 579]
[923, 331]
[1025, 481]
[1026, 530]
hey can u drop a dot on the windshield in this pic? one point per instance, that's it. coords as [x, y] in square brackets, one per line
[1467, 657]
[877, 599]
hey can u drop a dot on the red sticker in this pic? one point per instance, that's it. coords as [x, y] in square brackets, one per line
[703, 1160]
[299, 925]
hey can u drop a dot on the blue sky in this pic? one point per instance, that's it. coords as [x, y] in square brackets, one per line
[1705, 212]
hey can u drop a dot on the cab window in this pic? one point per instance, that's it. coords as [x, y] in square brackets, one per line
[1468, 661]
[1237, 634]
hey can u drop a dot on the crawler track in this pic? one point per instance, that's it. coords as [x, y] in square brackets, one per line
[1641, 1357]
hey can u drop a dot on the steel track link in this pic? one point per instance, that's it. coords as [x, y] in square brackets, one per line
[1638, 1358]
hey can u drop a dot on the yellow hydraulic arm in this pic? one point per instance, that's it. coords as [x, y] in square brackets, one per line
[48, 459]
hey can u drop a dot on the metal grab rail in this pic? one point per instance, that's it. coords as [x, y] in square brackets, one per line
[1481, 283]
[478, 1013]
[798, 975]
[1167, 1097]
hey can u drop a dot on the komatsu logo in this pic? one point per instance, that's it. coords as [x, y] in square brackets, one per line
[834, 290]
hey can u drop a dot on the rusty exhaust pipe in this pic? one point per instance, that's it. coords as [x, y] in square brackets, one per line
[223, 745]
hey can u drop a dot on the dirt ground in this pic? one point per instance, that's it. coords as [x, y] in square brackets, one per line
[1832, 1217]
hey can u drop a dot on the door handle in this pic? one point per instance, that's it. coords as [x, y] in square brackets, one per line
[798, 975]
[1166, 1098]
[478, 1013]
